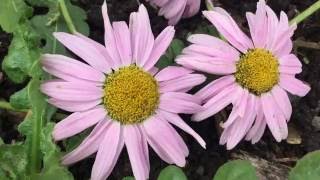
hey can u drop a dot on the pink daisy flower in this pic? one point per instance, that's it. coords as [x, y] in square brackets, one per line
[174, 10]
[119, 90]
[257, 73]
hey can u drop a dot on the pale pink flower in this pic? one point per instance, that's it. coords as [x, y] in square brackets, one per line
[120, 91]
[257, 72]
[174, 10]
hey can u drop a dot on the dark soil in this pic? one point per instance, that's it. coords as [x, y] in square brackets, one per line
[202, 164]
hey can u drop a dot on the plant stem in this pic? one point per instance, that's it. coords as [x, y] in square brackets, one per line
[209, 5]
[306, 13]
[7, 106]
[67, 17]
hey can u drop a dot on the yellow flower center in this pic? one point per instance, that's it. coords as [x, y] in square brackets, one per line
[130, 95]
[257, 71]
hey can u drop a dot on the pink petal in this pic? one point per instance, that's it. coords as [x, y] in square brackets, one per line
[177, 102]
[161, 133]
[70, 69]
[269, 107]
[290, 70]
[192, 8]
[243, 124]
[259, 122]
[134, 141]
[177, 121]
[172, 72]
[72, 91]
[216, 103]
[206, 66]
[74, 106]
[282, 99]
[106, 52]
[214, 87]
[160, 46]
[142, 38]
[108, 153]
[290, 60]
[109, 39]
[123, 42]
[293, 85]
[89, 145]
[181, 83]
[77, 122]
[229, 29]
[84, 50]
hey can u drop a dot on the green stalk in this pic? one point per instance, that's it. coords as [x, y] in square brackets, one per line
[7, 106]
[67, 17]
[306, 13]
[209, 5]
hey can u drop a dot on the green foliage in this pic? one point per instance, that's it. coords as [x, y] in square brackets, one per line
[172, 173]
[236, 170]
[128, 178]
[23, 52]
[307, 168]
[12, 12]
[53, 22]
[173, 51]
[20, 99]
[37, 157]
[13, 160]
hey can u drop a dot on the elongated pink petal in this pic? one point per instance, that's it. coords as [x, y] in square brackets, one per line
[206, 66]
[70, 69]
[290, 70]
[293, 85]
[160, 46]
[282, 99]
[84, 50]
[243, 124]
[259, 122]
[192, 8]
[216, 103]
[229, 29]
[89, 145]
[77, 122]
[269, 106]
[290, 60]
[108, 153]
[134, 139]
[177, 102]
[161, 133]
[109, 39]
[123, 41]
[72, 91]
[177, 121]
[74, 106]
[172, 72]
[215, 87]
[142, 36]
[181, 83]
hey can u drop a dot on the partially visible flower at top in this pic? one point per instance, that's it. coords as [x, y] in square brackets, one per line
[257, 73]
[121, 91]
[174, 10]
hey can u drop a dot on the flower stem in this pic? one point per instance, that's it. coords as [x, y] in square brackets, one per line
[306, 13]
[67, 17]
[209, 5]
[7, 106]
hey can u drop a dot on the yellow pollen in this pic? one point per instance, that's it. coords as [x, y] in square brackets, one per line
[257, 71]
[130, 95]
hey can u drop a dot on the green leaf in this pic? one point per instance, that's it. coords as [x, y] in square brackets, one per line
[128, 178]
[51, 158]
[20, 99]
[307, 168]
[23, 53]
[236, 170]
[13, 160]
[173, 51]
[172, 173]
[53, 21]
[1, 141]
[12, 12]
